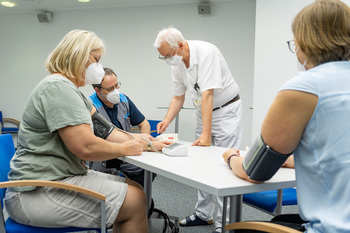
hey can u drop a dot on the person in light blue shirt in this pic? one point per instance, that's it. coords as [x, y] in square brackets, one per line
[310, 116]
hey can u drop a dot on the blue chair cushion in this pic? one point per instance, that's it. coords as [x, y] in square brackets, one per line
[14, 227]
[9, 130]
[267, 200]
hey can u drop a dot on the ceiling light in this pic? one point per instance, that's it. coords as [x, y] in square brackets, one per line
[84, 0]
[8, 3]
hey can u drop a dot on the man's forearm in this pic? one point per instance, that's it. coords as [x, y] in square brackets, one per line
[144, 127]
[175, 107]
[207, 111]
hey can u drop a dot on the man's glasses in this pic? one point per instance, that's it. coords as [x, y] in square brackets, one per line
[291, 45]
[109, 89]
[166, 57]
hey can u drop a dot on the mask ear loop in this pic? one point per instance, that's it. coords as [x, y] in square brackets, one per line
[89, 65]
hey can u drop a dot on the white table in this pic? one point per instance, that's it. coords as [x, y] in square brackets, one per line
[205, 169]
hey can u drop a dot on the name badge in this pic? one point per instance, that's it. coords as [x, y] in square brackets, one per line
[198, 101]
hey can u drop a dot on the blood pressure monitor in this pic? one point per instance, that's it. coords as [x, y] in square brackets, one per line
[176, 150]
[261, 162]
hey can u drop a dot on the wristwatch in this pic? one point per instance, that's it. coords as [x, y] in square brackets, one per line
[149, 146]
[228, 160]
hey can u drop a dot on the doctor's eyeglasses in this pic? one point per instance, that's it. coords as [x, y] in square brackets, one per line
[109, 89]
[166, 57]
[291, 45]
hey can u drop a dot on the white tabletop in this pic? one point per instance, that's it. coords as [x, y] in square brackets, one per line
[205, 169]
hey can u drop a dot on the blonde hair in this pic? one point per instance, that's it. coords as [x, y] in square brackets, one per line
[71, 54]
[322, 31]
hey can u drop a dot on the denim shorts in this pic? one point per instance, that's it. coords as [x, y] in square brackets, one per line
[52, 207]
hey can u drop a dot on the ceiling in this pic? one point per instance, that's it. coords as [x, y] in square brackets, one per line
[36, 6]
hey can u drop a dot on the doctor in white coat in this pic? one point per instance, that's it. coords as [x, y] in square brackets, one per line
[201, 68]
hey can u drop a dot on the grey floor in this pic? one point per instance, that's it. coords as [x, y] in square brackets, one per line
[179, 200]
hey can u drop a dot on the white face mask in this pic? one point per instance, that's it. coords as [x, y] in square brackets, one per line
[300, 67]
[174, 60]
[94, 73]
[113, 96]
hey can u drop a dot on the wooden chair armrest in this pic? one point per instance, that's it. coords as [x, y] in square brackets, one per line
[54, 184]
[260, 226]
[11, 120]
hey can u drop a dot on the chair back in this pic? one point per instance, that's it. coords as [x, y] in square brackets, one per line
[153, 124]
[1, 123]
[7, 150]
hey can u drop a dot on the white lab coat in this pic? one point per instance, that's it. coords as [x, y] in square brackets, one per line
[209, 70]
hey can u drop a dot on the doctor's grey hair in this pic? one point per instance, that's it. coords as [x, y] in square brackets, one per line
[170, 35]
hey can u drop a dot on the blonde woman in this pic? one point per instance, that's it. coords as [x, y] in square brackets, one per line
[57, 137]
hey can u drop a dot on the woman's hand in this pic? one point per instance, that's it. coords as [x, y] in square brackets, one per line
[231, 151]
[158, 145]
[236, 164]
[132, 147]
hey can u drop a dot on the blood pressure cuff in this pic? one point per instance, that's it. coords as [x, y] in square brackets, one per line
[261, 162]
[102, 127]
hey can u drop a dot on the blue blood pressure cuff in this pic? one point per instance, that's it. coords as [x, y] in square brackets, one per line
[102, 127]
[261, 162]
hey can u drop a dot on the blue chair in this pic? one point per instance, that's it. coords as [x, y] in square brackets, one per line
[271, 202]
[7, 150]
[8, 130]
[153, 124]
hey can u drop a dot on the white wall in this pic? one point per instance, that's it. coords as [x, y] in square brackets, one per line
[129, 34]
[274, 63]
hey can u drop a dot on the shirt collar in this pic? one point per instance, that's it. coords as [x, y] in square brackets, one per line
[193, 57]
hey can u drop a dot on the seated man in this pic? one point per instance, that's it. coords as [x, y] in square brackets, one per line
[122, 112]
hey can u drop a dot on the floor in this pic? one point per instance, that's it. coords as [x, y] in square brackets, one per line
[179, 200]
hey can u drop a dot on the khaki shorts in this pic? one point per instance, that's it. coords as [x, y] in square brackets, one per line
[52, 207]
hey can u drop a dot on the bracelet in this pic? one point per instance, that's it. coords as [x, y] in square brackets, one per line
[229, 158]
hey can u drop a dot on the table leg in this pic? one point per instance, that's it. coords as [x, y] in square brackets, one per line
[148, 187]
[148, 191]
[224, 211]
[177, 123]
[235, 210]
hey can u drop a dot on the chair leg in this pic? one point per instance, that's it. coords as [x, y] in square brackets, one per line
[2, 220]
[103, 217]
